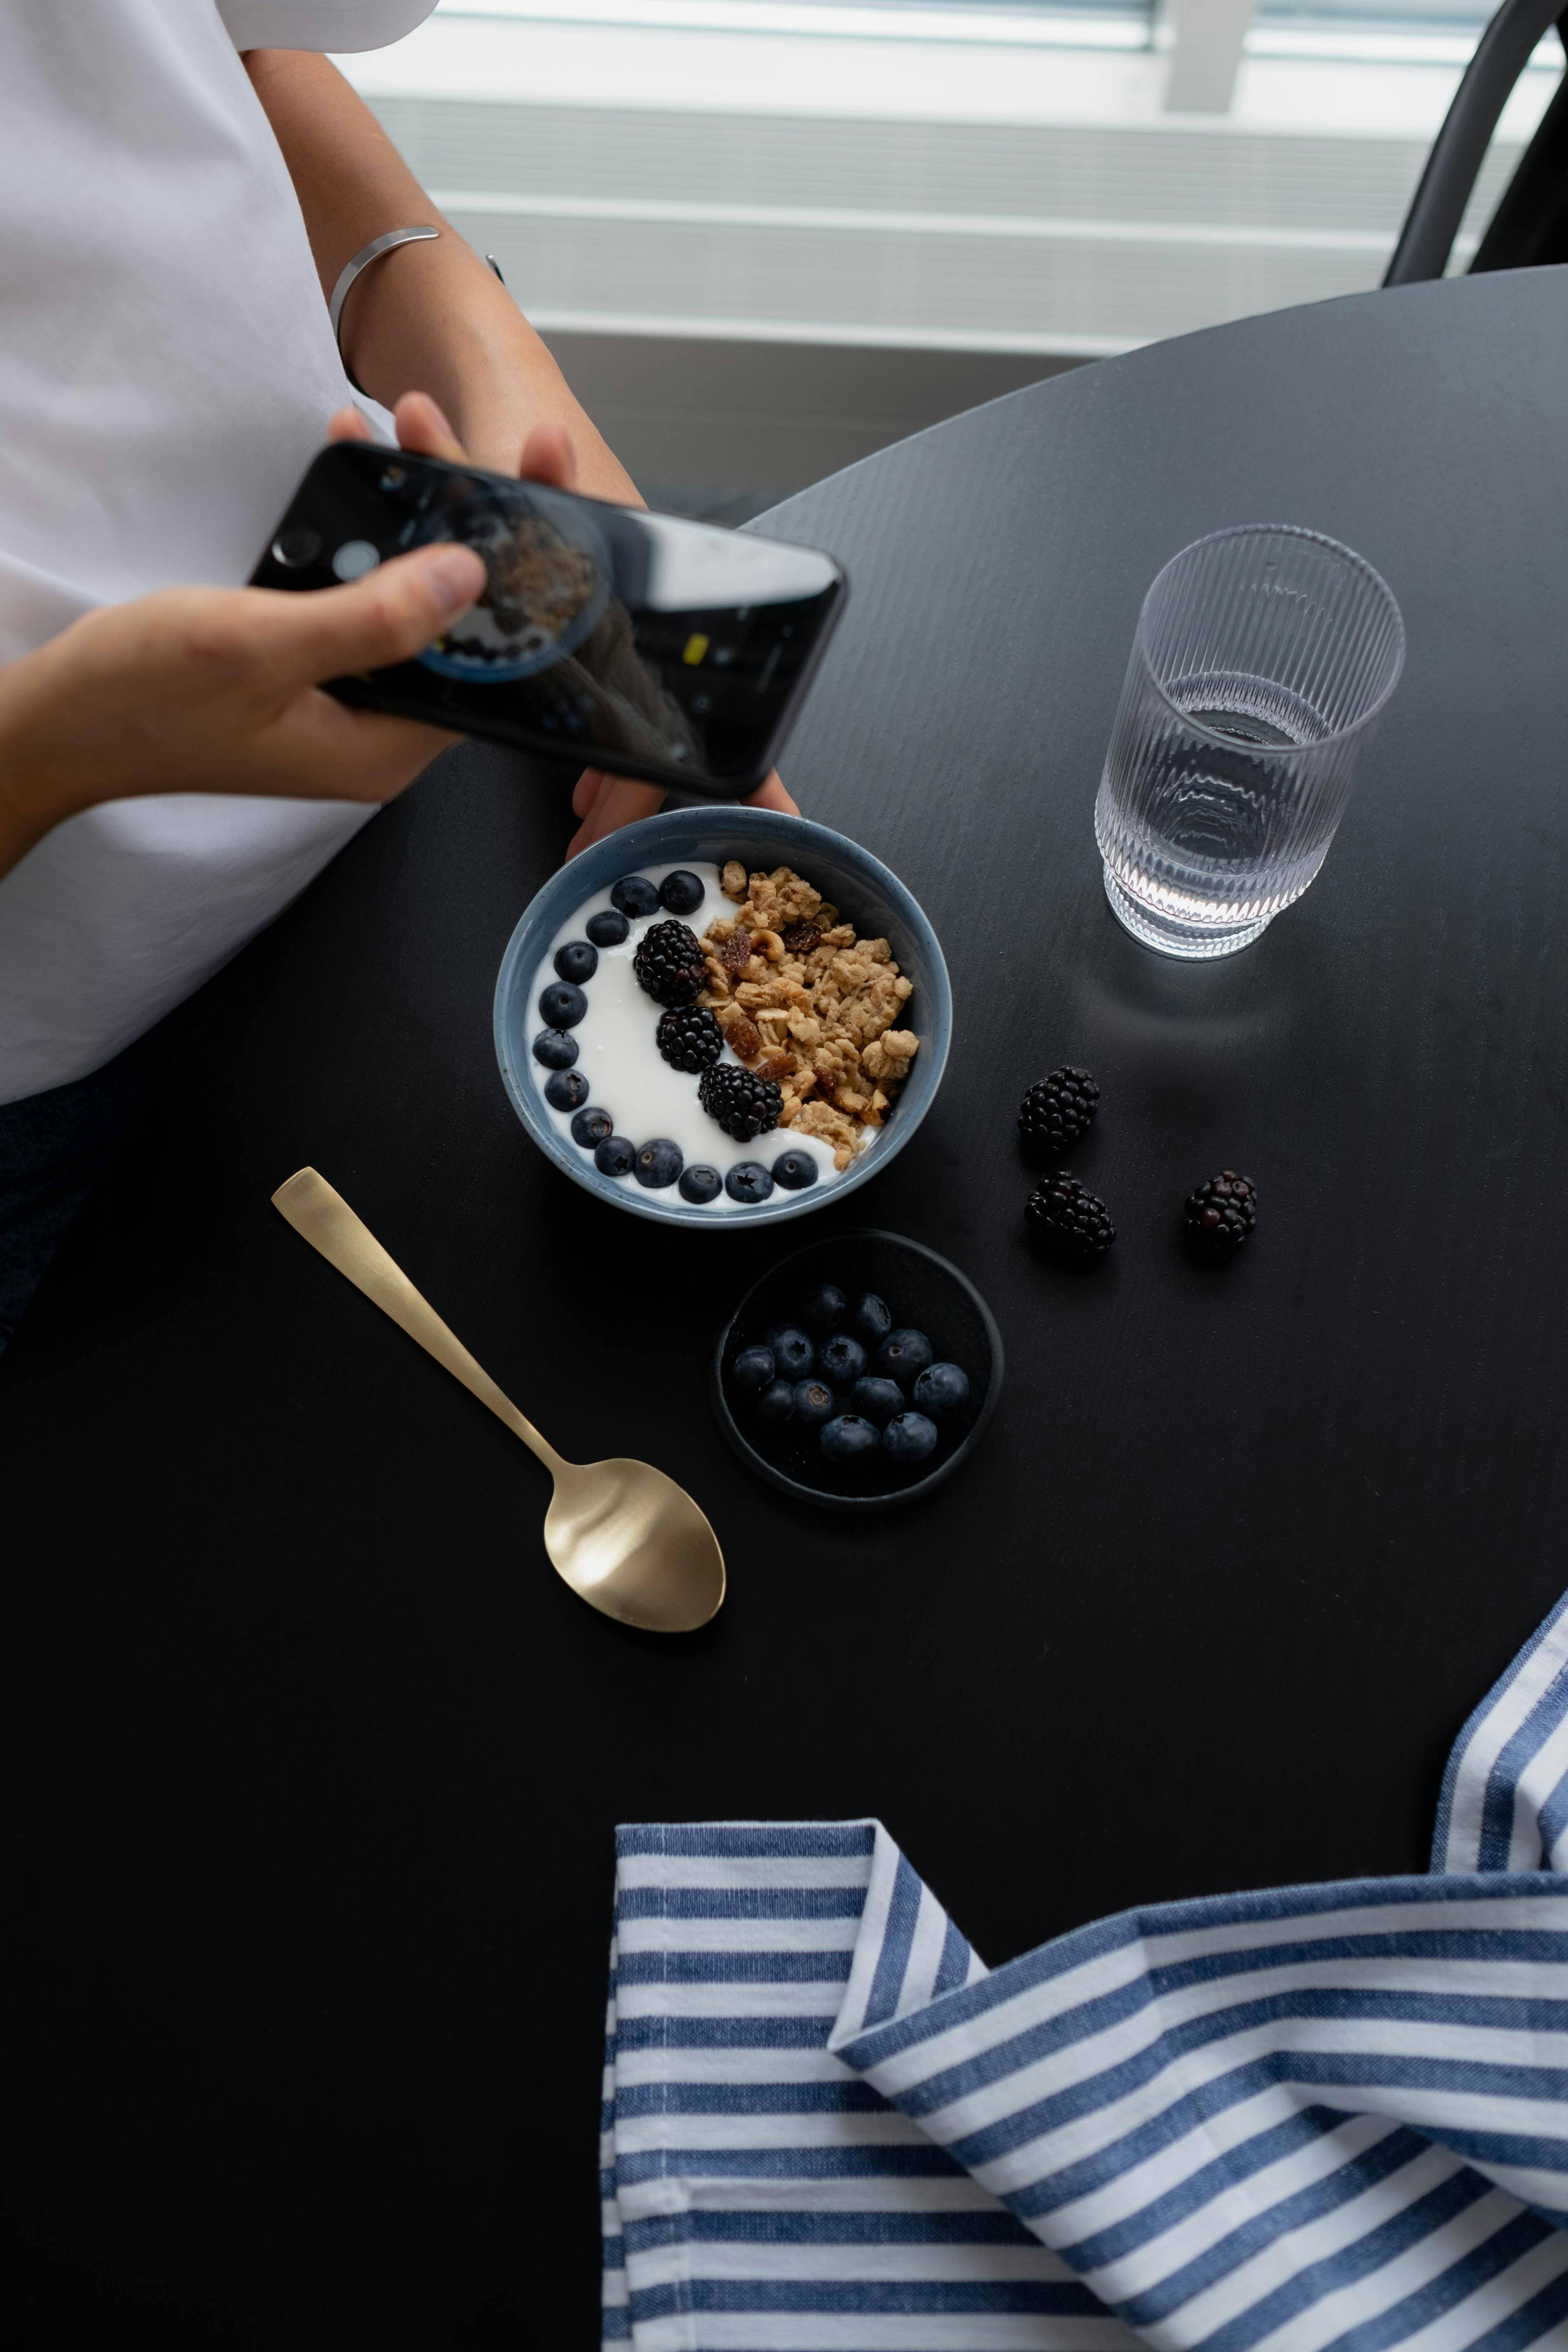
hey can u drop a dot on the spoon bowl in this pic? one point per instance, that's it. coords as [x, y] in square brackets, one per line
[628, 1540]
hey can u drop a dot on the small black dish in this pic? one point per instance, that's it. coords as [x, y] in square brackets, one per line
[922, 1290]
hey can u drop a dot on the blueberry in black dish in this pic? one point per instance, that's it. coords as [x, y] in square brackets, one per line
[681, 893]
[795, 1170]
[743, 1106]
[562, 1005]
[591, 1127]
[841, 1358]
[815, 1403]
[688, 1038]
[668, 963]
[634, 895]
[872, 1318]
[1221, 1214]
[555, 1049]
[801, 1316]
[1056, 1114]
[791, 1350]
[776, 1402]
[849, 1438]
[608, 928]
[565, 1090]
[1068, 1220]
[752, 1371]
[577, 961]
[699, 1185]
[903, 1355]
[615, 1156]
[942, 1389]
[878, 1399]
[658, 1163]
[823, 1309]
[911, 1437]
[748, 1181]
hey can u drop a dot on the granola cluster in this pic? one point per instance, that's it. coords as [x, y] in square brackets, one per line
[805, 1003]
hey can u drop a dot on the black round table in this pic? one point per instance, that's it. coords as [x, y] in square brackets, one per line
[312, 1763]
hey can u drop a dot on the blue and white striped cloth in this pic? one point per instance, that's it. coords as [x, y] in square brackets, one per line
[1320, 2116]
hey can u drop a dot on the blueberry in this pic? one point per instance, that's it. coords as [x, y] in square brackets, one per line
[814, 1403]
[681, 893]
[878, 1399]
[577, 960]
[566, 1090]
[849, 1438]
[842, 1359]
[872, 1319]
[591, 1127]
[658, 1163]
[608, 928]
[555, 1049]
[791, 1350]
[753, 1370]
[776, 1402]
[562, 1006]
[910, 1437]
[824, 1309]
[614, 1156]
[942, 1389]
[795, 1170]
[700, 1185]
[635, 895]
[903, 1354]
[748, 1181]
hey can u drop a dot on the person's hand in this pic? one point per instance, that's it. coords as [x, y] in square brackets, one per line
[604, 803]
[218, 690]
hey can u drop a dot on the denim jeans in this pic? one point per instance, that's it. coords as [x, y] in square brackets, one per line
[54, 1146]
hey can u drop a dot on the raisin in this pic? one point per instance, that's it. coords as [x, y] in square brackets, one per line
[801, 938]
[735, 952]
[745, 1037]
[775, 1066]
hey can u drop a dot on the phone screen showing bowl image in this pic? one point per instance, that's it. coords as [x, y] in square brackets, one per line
[642, 643]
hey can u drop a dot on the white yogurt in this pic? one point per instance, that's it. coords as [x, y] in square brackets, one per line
[626, 1073]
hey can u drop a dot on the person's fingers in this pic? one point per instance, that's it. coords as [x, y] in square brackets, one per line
[620, 803]
[422, 429]
[390, 616]
[322, 747]
[349, 424]
[586, 790]
[548, 456]
[773, 795]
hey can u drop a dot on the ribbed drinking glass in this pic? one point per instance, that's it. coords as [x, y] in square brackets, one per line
[1262, 657]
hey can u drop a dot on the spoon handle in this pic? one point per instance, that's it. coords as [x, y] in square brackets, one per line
[325, 1219]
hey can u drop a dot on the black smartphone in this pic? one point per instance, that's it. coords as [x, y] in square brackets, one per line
[646, 644]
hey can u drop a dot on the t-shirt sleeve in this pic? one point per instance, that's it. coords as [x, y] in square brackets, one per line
[320, 24]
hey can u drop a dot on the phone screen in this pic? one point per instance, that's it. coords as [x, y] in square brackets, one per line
[642, 643]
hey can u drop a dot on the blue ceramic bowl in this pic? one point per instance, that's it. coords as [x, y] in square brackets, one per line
[874, 900]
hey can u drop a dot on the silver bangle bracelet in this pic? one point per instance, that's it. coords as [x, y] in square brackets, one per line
[351, 271]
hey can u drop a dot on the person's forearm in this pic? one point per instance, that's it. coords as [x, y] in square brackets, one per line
[430, 317]
[34, 793]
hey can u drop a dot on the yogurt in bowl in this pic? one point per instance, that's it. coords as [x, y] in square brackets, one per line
[782, 1094]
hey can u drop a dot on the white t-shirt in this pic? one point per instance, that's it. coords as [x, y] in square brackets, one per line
[166, 372]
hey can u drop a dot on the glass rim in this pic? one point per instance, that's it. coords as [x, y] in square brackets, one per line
[1272, 530]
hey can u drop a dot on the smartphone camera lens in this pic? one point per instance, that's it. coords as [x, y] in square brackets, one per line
[355, 558]
[296, 546]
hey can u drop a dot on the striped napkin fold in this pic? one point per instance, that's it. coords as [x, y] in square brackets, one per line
[1319, 2116]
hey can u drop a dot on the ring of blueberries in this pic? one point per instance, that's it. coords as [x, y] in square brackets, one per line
[846, 1372]
[669, 966]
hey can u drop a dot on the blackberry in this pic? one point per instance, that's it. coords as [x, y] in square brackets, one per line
[1056, 1113]
[689, 1037]
[1061, 1213]
[1218, 1217]
[744, 1105]
[668, 963]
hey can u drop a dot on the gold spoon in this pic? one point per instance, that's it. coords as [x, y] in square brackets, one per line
[626, 1539]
